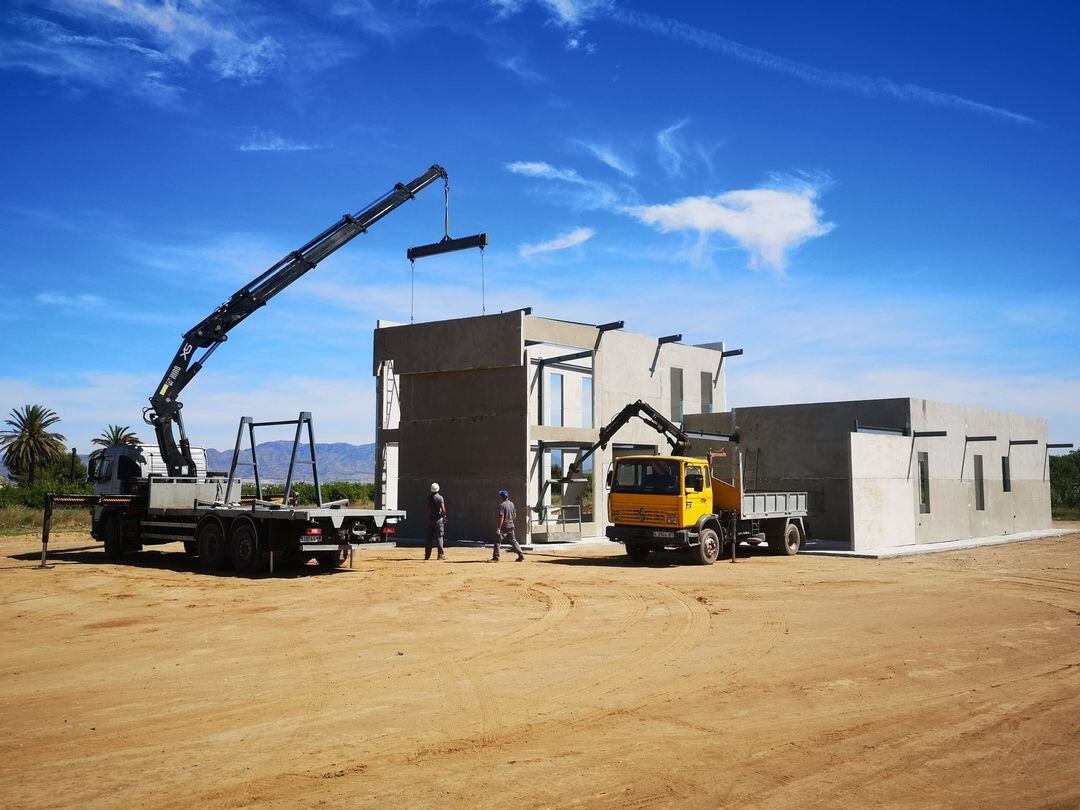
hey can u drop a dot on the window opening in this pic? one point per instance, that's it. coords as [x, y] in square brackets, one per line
[924, 483]
[1006, 475]
[706, 392]
[556, 390]
[980, 495]
[676, 395]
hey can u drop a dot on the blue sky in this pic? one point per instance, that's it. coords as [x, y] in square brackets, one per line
[871, 199]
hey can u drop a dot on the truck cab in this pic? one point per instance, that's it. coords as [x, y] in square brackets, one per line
[658, 502]
[123, 468]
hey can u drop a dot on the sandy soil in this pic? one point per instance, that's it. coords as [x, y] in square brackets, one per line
[573, 679]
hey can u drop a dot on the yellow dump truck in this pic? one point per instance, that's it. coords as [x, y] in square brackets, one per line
[675, 502]
[678, 502]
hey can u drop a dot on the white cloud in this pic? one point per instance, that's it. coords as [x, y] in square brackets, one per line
[671, 156]
[538, 168]
[519, 67]
[868, 86]
[140, 48]
[77, 301]
[576, 191]
[766, 222]
[563, 241]
[263, 140]
[607, 156]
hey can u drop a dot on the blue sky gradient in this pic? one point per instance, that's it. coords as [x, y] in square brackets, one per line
[874, 200]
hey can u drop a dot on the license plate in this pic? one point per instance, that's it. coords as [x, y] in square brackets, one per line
[663, 534]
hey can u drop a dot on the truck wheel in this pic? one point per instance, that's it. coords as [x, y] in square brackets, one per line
[332, 559]
[708, 549]
[244, 551]
[638, 552]
[212, 549]
[113, 535]
[791, 541]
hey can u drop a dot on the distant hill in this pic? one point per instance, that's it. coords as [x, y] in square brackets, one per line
[337, 462]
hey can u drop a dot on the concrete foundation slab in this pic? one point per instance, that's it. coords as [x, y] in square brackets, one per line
[826, 548]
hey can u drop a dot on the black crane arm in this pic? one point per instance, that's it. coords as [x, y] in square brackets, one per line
[212, 331]
[678, 438]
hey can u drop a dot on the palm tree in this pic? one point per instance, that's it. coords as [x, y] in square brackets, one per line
[114, 435]
[28, 444]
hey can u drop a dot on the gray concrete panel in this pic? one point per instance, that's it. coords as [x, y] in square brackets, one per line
[491, 341]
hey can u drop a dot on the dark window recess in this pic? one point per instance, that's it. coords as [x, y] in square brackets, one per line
[706, 392]
[924, 483]
[980, 493]
[1006, 475]
[676, 395]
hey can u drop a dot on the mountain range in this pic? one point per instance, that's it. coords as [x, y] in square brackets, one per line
[339, 461]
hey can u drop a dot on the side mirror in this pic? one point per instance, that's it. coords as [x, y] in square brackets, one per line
[610, 476]
[91, 470]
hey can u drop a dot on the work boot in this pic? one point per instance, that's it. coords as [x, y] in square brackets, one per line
[494, 559]
[521, 558]
[442, 556]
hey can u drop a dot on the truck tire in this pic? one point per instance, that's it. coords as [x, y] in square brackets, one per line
[708, 548]
[638, 552]
[245, 552]
[332, 559]
[213, 551]
[113, 535]
[791, 541]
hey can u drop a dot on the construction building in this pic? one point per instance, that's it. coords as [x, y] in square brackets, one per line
[493, 402]
[888, 473]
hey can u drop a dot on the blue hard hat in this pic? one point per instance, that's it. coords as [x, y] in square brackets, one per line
[504, 493]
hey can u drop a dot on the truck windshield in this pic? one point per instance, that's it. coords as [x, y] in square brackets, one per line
[646, 477]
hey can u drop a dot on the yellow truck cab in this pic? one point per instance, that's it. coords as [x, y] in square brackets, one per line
[674, 502]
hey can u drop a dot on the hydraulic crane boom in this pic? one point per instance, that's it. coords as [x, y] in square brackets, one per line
[212, 331]
[678, 438]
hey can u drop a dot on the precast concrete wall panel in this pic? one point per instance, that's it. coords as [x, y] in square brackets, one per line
[882, 491]
[467, 430]
[953, 515]
[491, 341]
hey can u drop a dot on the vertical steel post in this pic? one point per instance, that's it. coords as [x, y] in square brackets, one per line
[292, 457]
[73, 457]
[306, 416]
[46, 526]
[235, 458]
[254, 459]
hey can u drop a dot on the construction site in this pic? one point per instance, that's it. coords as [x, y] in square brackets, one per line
[718, 606]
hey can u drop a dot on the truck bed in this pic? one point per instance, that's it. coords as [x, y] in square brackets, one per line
[761, 505]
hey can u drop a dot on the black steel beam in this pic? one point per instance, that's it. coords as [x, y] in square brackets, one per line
[607, 327]
[731, 353]
[479, 240]
[980, 438]
[1060, 446]
[564, 358]
[927, 434]
[669, 339]
[894, 431]
[1023, 441]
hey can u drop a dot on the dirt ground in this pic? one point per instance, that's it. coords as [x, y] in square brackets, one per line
[573, 679]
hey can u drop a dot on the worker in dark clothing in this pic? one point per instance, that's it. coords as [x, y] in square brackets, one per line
[505, 532]
[436, 529]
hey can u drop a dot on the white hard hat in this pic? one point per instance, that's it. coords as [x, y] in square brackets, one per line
[434, 487]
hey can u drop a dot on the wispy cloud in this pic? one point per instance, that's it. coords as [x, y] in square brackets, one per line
[607, 156]
[77, 301]
[577, 191]
[263, 140]
[140, 48]
[766, 222]
[670, 155]
[518, 65]
[538, 168]
[563, 241]
[869, 86]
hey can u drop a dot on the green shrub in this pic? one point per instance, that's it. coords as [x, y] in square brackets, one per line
[360, 495]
